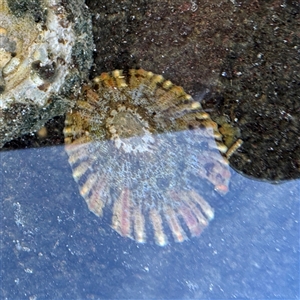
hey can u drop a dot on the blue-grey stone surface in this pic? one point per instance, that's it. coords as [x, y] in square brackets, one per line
[53, 247]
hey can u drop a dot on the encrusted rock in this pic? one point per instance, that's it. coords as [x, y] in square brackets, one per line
[45, 53]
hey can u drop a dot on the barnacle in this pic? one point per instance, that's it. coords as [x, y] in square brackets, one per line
[136, 142]
[34, 57]
[43, 59]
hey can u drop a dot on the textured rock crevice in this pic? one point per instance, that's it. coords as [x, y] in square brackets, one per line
[46, 53]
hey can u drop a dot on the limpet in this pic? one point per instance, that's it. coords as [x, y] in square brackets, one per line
[136, 143]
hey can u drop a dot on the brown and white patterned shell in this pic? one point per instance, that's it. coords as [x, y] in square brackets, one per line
[135, 143]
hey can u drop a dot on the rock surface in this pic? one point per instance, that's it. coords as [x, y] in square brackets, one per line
[240, 57]
[46, 52]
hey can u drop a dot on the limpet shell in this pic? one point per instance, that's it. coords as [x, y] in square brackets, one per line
[136, 143]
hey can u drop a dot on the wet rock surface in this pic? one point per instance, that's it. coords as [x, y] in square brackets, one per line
[240, 57]
[46, 52]
[52, 246]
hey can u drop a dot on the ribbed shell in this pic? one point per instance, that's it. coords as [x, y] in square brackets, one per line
[135, 143]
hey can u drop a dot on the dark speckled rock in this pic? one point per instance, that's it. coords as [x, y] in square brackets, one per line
[240, 57]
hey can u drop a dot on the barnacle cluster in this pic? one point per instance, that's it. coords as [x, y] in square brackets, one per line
[136, 143]
[42, 60]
